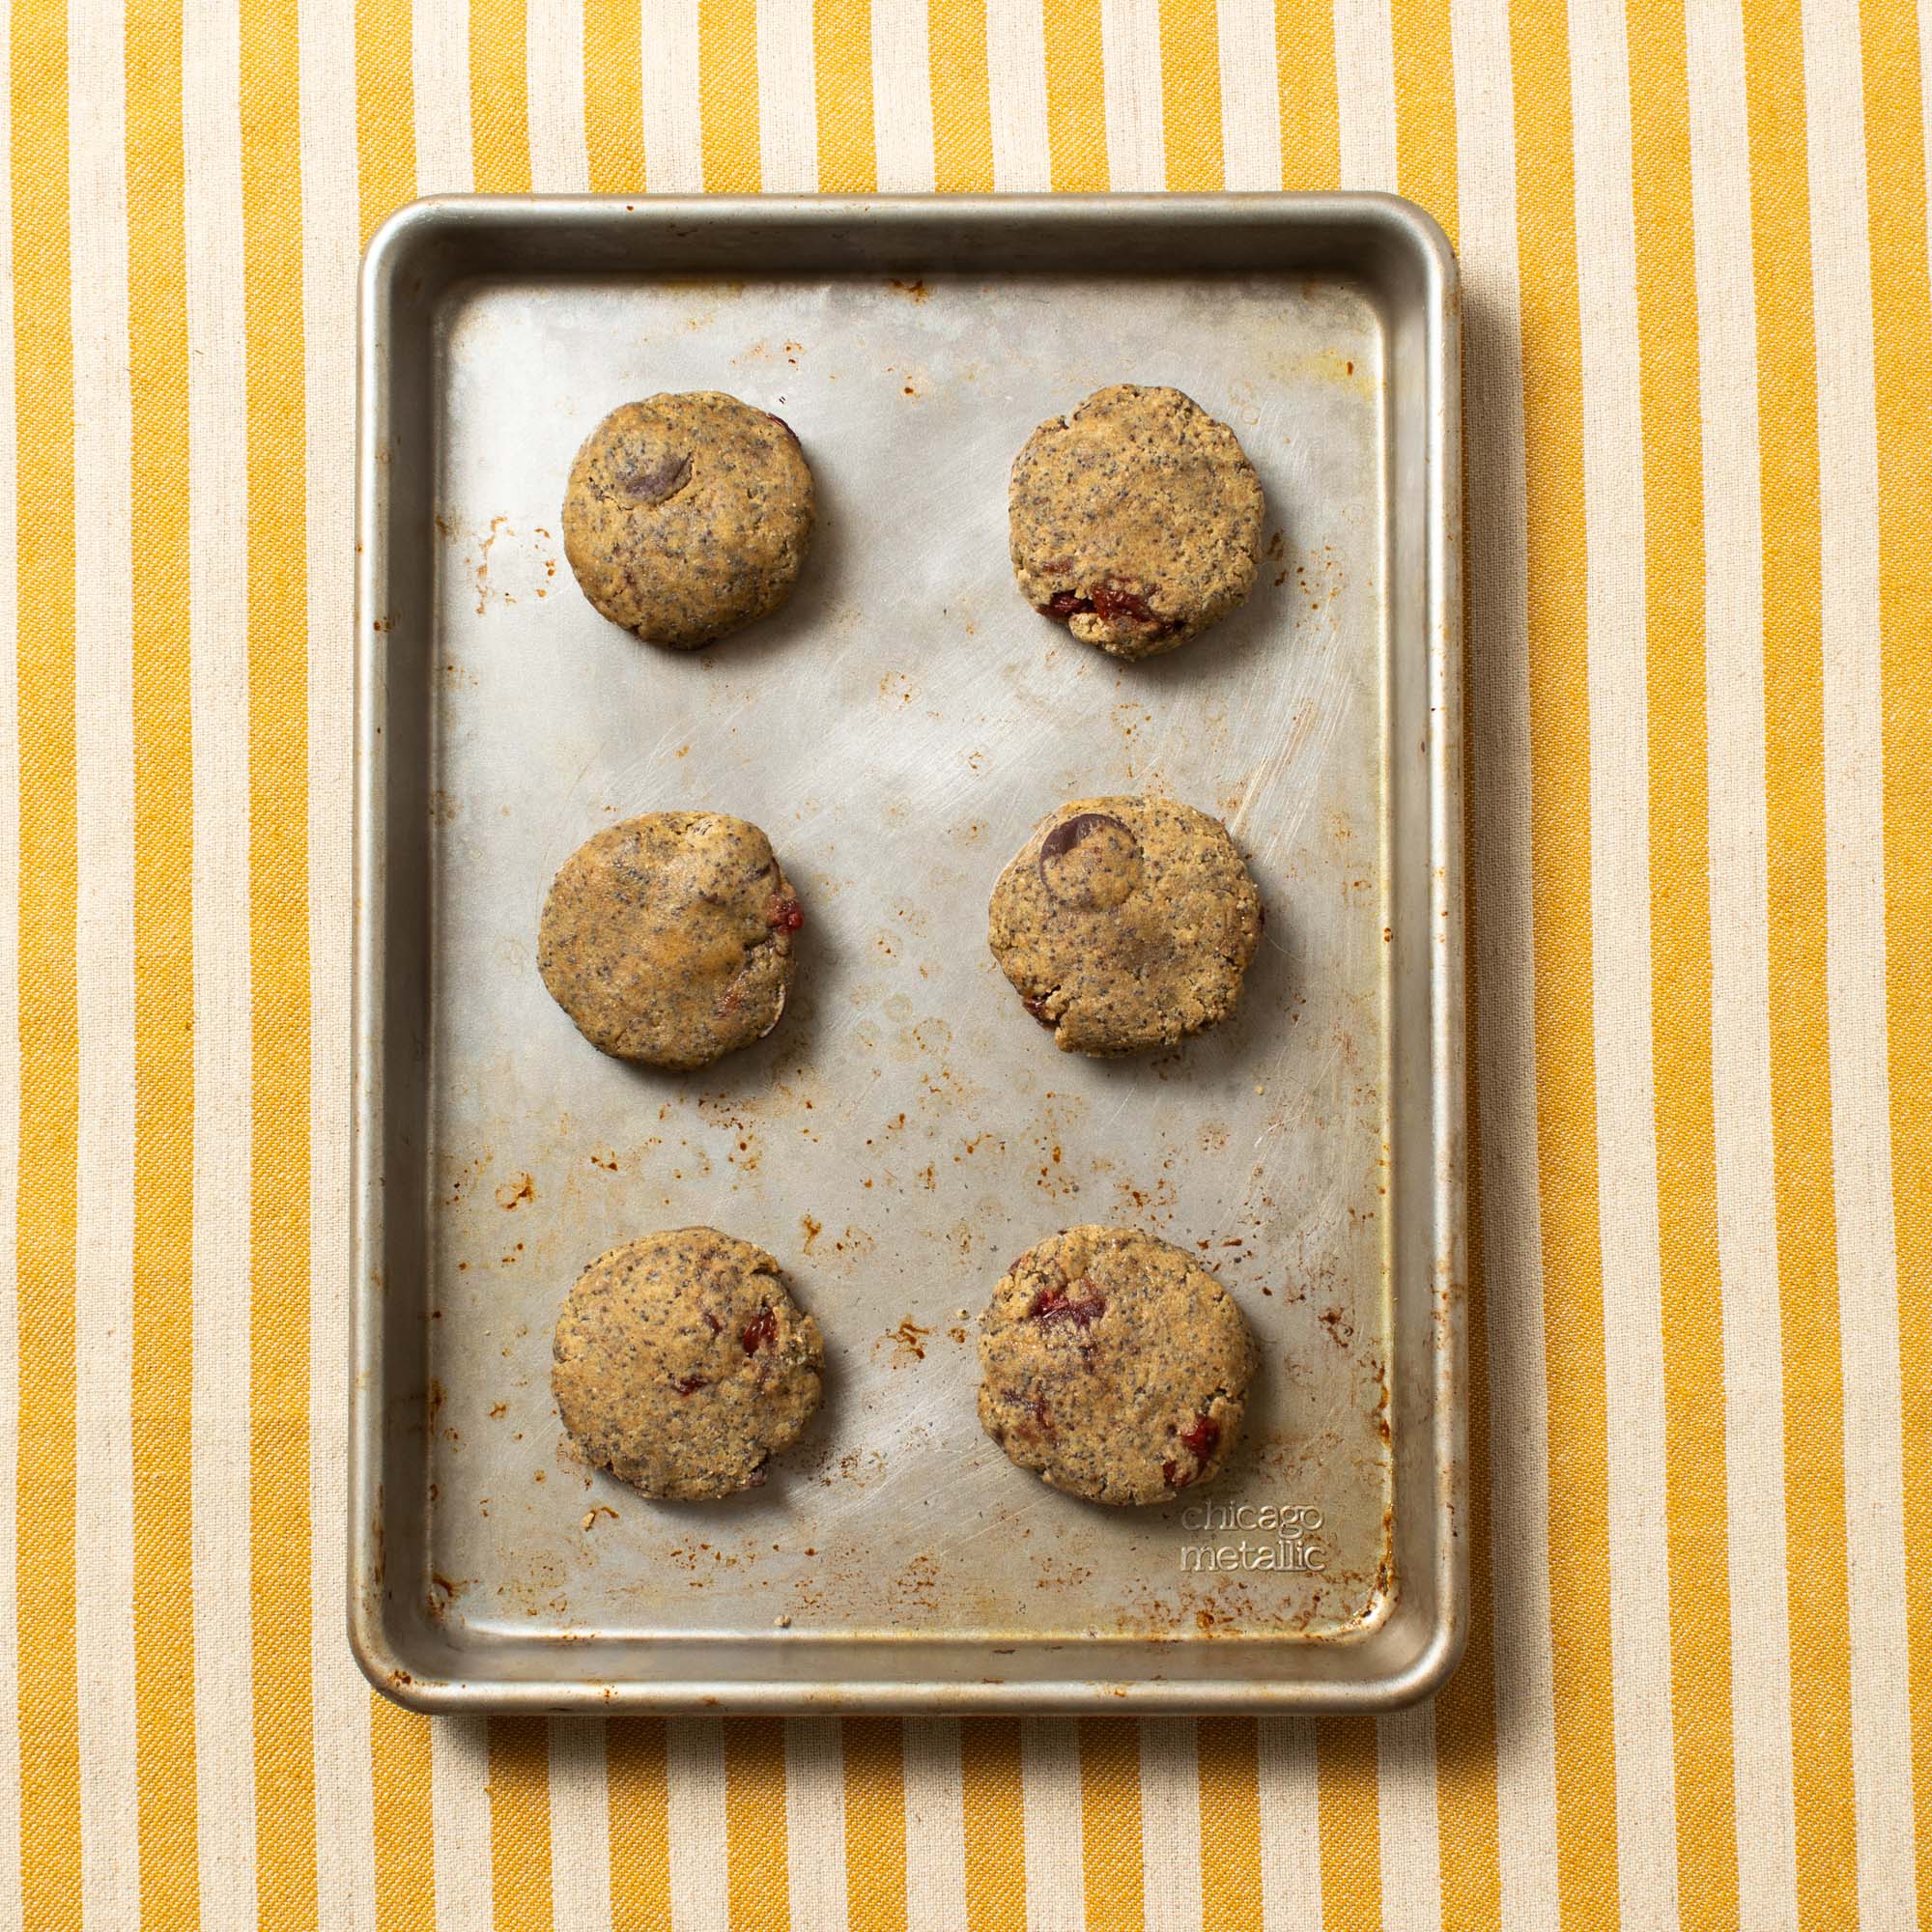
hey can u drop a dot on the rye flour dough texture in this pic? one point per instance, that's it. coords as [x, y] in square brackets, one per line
[1125, 924]
[1136, 520]
[681, 1364]
[1113, 1366]
[668, 939]
[688, 517]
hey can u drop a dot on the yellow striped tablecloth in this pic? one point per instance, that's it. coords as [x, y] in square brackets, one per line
[1699, 405]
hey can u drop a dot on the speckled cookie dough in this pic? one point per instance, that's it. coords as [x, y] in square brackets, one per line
[681, 1364]
[1113, 1366]
[1125, 924]
[1136, 520]
[668, 939]
[686, 516]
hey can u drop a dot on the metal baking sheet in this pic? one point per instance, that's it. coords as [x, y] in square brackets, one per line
[907, 1130]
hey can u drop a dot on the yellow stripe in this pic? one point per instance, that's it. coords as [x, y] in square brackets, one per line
[876, 1825]
[1076, 121]
[962, 108]
[1566, 1099]
[279, 971]
[499, 97]
[1345, 1764]
[994, 1815]
[841, 45]
[1680, 857]
[755, 1824]
[1231, 1824]
[1425, 121]
[1190, 93]
[1311, 127]
[727, 92]
[1800, 1073]
[1110, 1822]
[519, 1821]
[163, 1331]
[613, 96]
[49, 1100]
[640, 1786]
[405, 1832]
[386, 148]
[1902, 341]
[1469, 1849]
[399, 1740]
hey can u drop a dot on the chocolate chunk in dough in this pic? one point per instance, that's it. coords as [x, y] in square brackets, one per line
[1125, 924]
[686, 516]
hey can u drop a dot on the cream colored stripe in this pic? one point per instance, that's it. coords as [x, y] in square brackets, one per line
[695, 1823]
[1050, 1780]
[1504, 963]
[1130, 53]
[1170, 1824]
[1291, 1824]
[440, 70]
[10, 1042]
[1740, 968]
[1364, 94]
[553, 70]
[345, 1810]
[579, 1826]
[815, 1821]
[459, 1824]
[1016, 89]
[787, 99]
[104, 1286]
[902, 97]
[1620, 960]
[218, 513]
[935, 1826]
[1853, 714]
[1410, 1833]
[673, 131]
[1250, 123]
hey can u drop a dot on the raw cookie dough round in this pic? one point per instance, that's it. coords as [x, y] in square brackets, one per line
[668, 939]
[1113, 1366]
[1125, 924]
[681, 1364]
[686, 516]
[1136, 520]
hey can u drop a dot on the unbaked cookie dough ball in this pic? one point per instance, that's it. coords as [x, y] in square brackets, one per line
[1136, 520]
[681, 1364]
[1113, 1366]
[686, 516]
[1125, 924]
[668, 939]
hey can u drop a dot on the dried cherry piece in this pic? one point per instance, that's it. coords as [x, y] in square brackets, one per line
[690, 1384]
[761, 1328]
[784, 915]
[1062, 604]
[1201, 1436]
[1055, 1304]
[1038, 1009]
[1111, 605]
